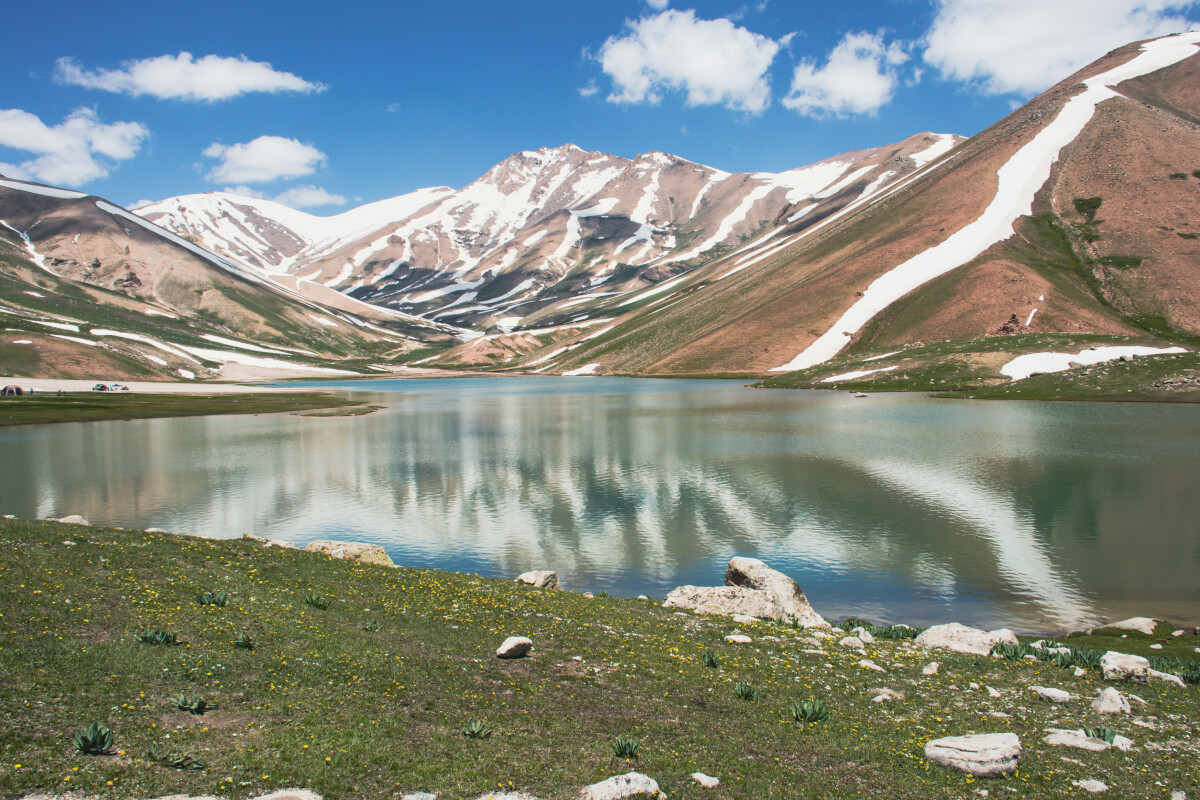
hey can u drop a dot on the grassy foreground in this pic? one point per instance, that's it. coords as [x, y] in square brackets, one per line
[369, 696]
[94, 406]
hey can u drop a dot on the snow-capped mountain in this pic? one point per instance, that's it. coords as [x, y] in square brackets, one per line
[538, 232]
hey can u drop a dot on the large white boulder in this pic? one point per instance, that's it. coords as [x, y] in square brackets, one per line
[541, 579]
[724, 600]
[1124, 667]
[754, 574]
[631, 784]
[1140, 624]
[963, 639]
[352, 551]
[984, 755]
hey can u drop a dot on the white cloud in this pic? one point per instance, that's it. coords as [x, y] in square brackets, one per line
[309, 197]
[183, 77]
[858, 78]
[262, 160]
[79, 149]
[658, 5]
[590, 89]
[296, 197]
[1025, 46]
[711, 61]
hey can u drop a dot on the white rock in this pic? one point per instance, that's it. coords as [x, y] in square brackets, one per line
[867, 663]
[742, 619]
[738, 638]
[724, 600]
[642, 597]
[707, 781]
[811, 641]
[1177, 634]
[1179, 796]
[540, 579]
[419, 796]
[73, 519]
[1167, 677]
[68, 543]
[1080, 672]
[864, 635]
[1092, 786]
[883, 693]
[993, 692]
[999, 715]
[754, 574]
[852, 642]
[931, 668]
[1053, 695]
[290, 794]
[1111, 701]
[984, 755]
[1140, 624]
[631, 784]
[506, 796]
[1076, 738]
[963, 639]
[974, 685]
[1156, 646]
[1123, 667]
[514, 647]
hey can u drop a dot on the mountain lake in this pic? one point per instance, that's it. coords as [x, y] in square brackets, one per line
[895, 508]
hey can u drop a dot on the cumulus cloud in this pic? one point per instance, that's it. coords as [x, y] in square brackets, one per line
[309, 197]
[1025, 46]
[262, 160]
[183, 77]
[79, 149]
[859, 77]
[711, 61]
[658, 5]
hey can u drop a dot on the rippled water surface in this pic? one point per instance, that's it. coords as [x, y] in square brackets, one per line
[896, 508]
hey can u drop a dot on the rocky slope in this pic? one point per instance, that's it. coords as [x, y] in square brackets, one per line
[538, 233]
[92, 290]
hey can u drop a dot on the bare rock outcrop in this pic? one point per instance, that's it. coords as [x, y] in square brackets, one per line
[754, 574]
[984, 755]
[352, 551]
[540, 579]
[724, 600]
[631, 784]
[963, 639]
[1124, 667]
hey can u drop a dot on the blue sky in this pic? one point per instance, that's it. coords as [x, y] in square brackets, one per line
[326, 105]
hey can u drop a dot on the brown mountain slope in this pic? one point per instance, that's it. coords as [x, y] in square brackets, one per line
[1133, 154]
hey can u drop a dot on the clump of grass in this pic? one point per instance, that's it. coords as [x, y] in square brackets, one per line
[316, 601]
[243, 640]
[1103, 733]
[1088, 206]
[710, 659]
[193, 703]
[476, 729]
[174, 759]
[626, 747]
[94, 740]
[745, 691]
[154, 636]
[372, 625]
[810, 712]
[220, 599]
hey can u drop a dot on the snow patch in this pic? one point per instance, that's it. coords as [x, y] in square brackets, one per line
[849, 376]
[944, 143]
[589, 369]
[1034, 363]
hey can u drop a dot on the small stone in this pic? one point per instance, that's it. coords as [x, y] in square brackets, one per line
[974, 685]
[1076, 738]
[999, 715]
[931, 668]
[1080, 672]
[419, 796]
[68, 543]
[540, 579]
[1053, 695]
[1179, 796]
[1123, 667]
[1111, 701]
[707, 781]
[1156, 646]
[984, 755]
[743, 619]
[514, 647]
[852, 642]
[869, 664]
[642, 597]
[290, 794]
[588, 595]
[864, 635]
[738, 638]
[1093, 786]
[993, 692]
[1177, 634]
[883, 693]
[631, 784]
[73, 519]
